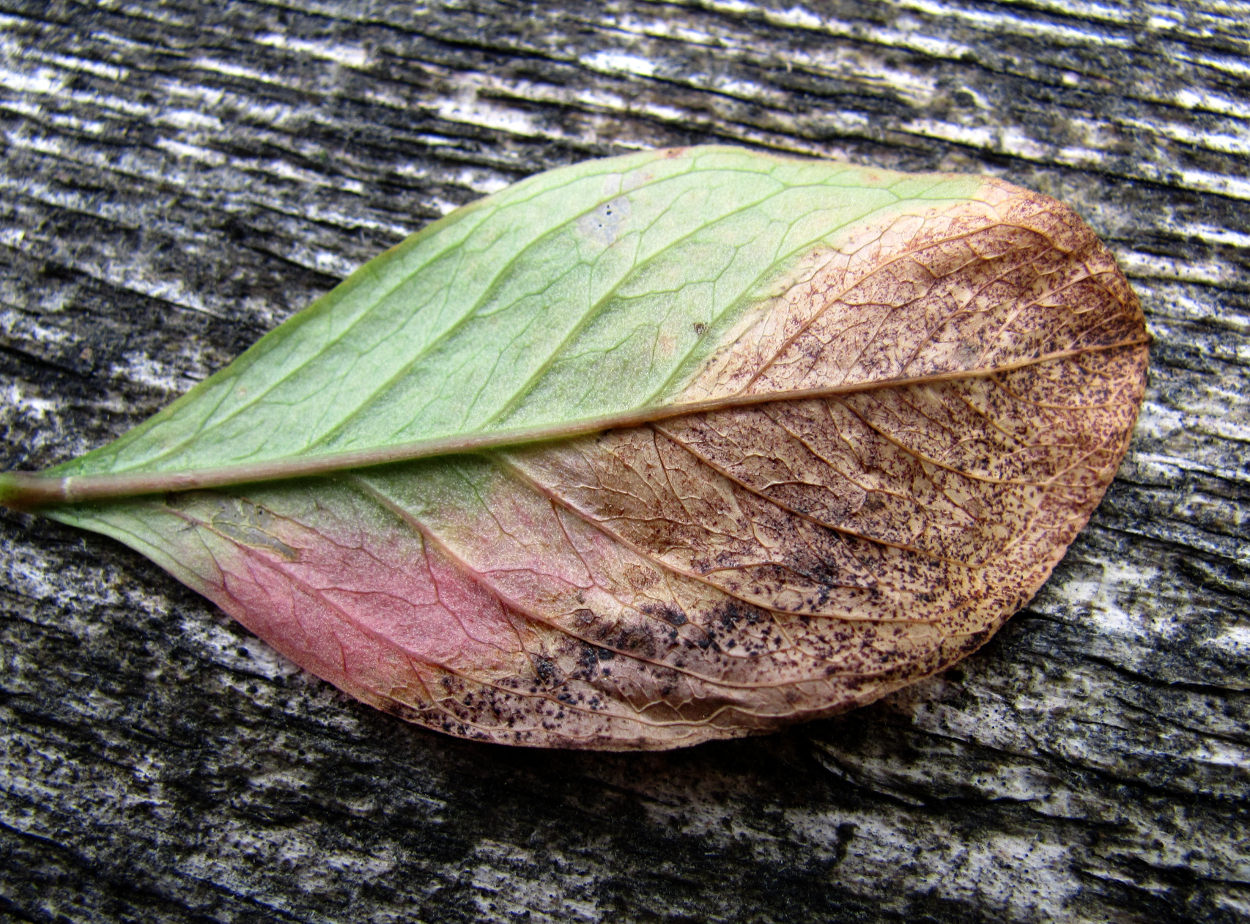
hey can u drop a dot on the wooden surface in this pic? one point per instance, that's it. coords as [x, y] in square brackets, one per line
[176, 178]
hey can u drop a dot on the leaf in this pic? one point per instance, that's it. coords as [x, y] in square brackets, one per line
[650, 450]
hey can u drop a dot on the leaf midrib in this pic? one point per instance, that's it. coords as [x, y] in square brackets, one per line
[27, 490]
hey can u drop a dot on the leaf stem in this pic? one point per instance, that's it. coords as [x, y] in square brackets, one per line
[22, 491]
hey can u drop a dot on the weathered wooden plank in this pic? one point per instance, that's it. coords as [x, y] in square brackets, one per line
[179, 177]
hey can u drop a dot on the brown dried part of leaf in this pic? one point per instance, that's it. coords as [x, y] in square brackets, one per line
[792, 559]
[994, 284]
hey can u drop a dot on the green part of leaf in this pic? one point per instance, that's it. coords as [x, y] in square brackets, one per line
[571, 300]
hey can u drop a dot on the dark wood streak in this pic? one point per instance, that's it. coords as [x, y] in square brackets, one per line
[177, 178]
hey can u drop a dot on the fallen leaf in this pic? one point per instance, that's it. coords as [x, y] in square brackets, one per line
[650, 450]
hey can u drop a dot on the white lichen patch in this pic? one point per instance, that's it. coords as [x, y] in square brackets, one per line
[619, 62]
[141, 369]
[191, 120]
[193, 151]
[338, 52]
[1100, 597]
[993, 21]
[1019, 878]
[500, 875]
[797, 17]
[37, 81]
[1209, 101]
[467, 106]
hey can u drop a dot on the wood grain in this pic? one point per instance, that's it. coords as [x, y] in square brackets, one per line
[176, 178]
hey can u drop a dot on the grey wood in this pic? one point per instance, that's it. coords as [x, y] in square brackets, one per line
[176, 178]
